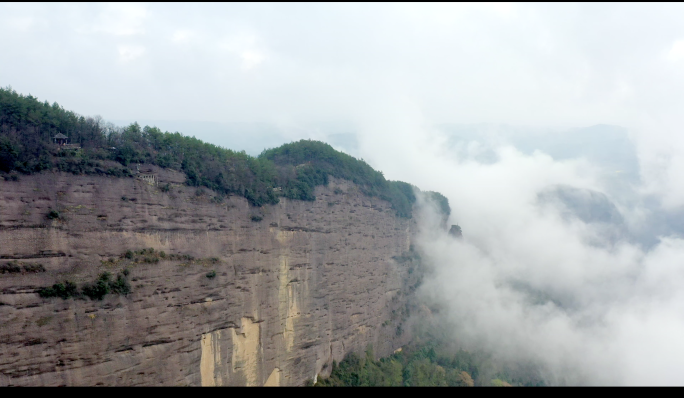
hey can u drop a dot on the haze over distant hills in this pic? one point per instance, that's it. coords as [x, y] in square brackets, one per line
[605, 145]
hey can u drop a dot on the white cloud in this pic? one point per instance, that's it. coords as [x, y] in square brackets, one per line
[122, 19]
[677, 51]
[246, 47]
[128, 53]
[617, 310]
[20, 23]
[182, 36]
[251, 59]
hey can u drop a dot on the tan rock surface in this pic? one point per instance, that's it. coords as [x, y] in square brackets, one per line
[307, 284]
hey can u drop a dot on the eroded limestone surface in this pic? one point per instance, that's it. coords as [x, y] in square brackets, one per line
[307, 284]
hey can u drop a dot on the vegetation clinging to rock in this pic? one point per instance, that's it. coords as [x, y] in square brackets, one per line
[15, 267]
[96, 290]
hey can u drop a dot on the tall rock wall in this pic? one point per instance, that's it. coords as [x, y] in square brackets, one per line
[296, 286]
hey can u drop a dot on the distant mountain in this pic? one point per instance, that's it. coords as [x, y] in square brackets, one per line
[609, 147]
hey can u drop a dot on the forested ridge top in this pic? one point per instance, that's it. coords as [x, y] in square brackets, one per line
[27, 128]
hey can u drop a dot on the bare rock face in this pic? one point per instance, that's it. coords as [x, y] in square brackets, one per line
[241, 295]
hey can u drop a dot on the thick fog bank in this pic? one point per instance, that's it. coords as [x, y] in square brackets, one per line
[559, 264]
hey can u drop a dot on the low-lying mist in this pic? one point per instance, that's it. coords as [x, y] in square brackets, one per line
[564, 262]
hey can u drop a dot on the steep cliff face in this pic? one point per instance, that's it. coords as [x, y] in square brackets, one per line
[296, 286]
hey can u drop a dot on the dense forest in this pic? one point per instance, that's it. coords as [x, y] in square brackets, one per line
[28, 126]
[425, 364]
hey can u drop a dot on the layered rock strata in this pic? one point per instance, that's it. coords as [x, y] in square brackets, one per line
[296, 286]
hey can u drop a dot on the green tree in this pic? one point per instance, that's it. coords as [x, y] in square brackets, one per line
[293, 170]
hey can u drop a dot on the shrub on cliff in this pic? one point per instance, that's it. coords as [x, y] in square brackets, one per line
[33, 268]
[64, 290]
[120, 285]
[15, 267]
[104, 285]
[95, 291]
[10, 268]
[98, 289]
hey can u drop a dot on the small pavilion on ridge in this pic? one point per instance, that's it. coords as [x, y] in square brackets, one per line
[60, 139]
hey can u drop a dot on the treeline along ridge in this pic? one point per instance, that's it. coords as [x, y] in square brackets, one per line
[27, 128]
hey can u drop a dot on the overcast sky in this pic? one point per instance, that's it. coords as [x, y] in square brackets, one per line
[292, 63]
[394, 73]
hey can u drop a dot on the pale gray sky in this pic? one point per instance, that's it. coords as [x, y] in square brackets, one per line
[295, 63]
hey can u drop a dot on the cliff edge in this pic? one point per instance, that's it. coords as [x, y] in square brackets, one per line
[221, 292]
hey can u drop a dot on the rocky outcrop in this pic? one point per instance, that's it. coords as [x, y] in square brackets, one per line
[456, 232]
[294, 286]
